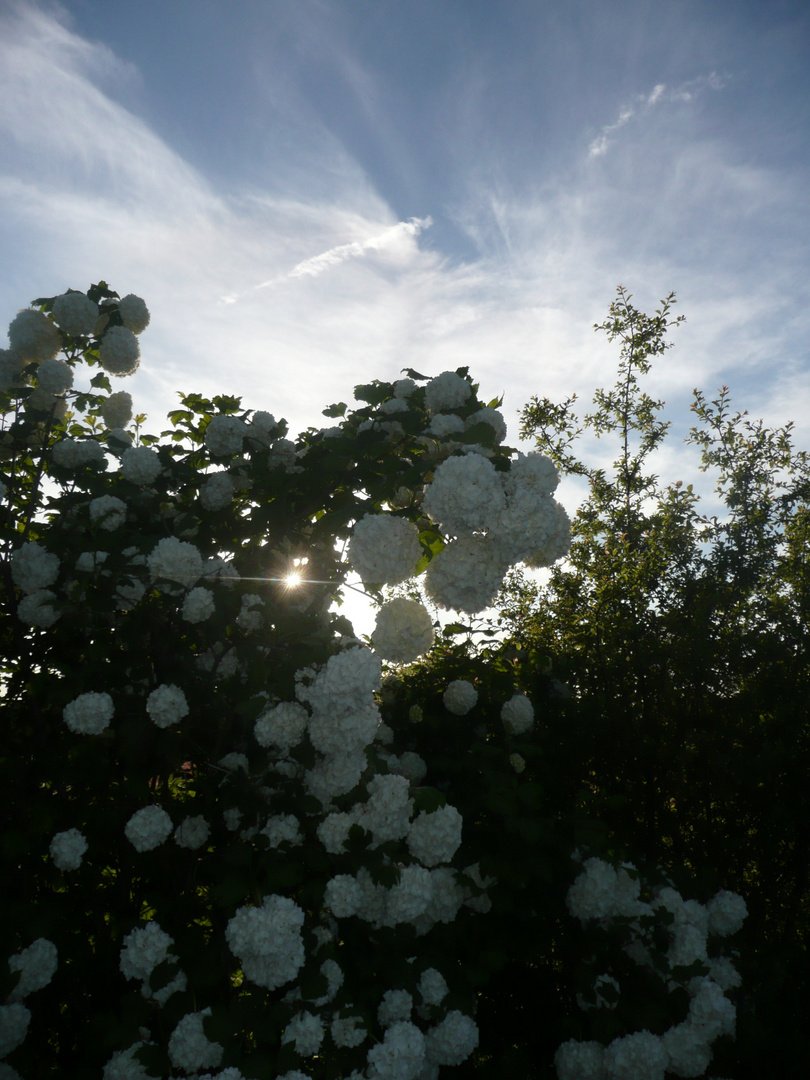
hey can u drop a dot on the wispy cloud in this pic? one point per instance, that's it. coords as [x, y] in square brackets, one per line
[642, 104]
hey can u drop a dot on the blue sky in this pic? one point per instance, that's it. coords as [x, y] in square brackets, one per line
[313, 193]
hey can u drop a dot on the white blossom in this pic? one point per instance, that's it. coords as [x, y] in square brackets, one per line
[492, 418]
[89, 714]
[108, 512]
[580, 1061]
[123, 1065]
[446, 391]
[388, 811]
[306, 1031]
[14, 1021]
[517, 714]
[192, 832]
[119, 351]
[175, 560]
[198, 605]
[134, 313]
[75, 313]
[140, 465]
[189, 1049]
[116, 411]
[395, 1007]
[143, 949]
[267, 941]
[67, 849]
[466, 575]
[689, 1053]
[453, 1040]
[466, 494]
[432, 986]
[167, 705]
[459, 697]
[74, 453]
[403, 631]
[54, 377]
[33, 337]
[282, 727]
[384, 549]
[217, 492]
[727, 912]
[37, 609]
[401, 1054]
[443, 424]
[37, 966]
[283, 828]
[224, 435]
[348, 1031]
[148, 828]
[435, 837]
[33, 568]
[640, 1056]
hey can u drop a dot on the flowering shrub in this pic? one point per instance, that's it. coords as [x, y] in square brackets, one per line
[240, 815]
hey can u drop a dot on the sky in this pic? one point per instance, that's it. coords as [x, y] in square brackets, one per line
[310, 194]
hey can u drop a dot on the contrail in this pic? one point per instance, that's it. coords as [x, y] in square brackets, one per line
[317, 264]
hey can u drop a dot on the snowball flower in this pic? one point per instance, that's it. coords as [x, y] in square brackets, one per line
[580, 1061]
[74, 453]
[33, 568]
[640, 1056]
[36, 965]
[435, 837]
[167, 705]
[453, 1040]
[89, 714]
[492, 418]
[119, 352]
[143, 949]
[108, 512]
[403, 631]
[282, 726]
[410, 896]
[395, 1007]
[140, 465]
[116, 411]
[518, 762]
[75, 313]
[466, 575]
[443, 424]
[67, 849]
[192, 832]
[123, 1065]
[198, 605]
[727, 912]
[342, 895]
[267, 941]
[36, 609]
[517, 714]
[134, 313]
[348, 1031]
[33, 337]
[306, 1031]
[148, 828]
[14, 1021]
[283, 828]
[54, 377]
[383, 549]
[465, 495]
[459, 697]
[401, 1054]
[189, 1049]
[688, 1051]
[217, 491]
[432, 987]
[533, 472]
[446, 391]
[175, 560]
[224, 435]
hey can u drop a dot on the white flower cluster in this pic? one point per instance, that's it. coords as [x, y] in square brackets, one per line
[148, 828]
[384, 549]
[119, 352]
[435, 837]
[192, 832]
[37, 966]
[54, 377]
[75, 313]
[283, 828]
[217, 491]
[459, 697]
[108, 512]
[167, 705]
[143, 949]
[140, 465]
[33, 337]
[198, 605]
[466, 495]
[134, 313]
[306, 1031]
[175, 560]
[14, 1021]
[89, 714]
[267, 941]
[33, 568]
[123, 1065]
[190, 1049]
[224, 435]
[403, 631]
[602, 892]
[447, 391]
[466, 575]
[67, 849]
[281, 727]
[116, 412]
[348, 1031]
[401, 1054]
[517, 714]
[36, 609]
[432, 987]
[75, 453]
[451, 1041]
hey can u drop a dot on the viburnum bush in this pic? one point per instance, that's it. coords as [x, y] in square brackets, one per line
[223, 853]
